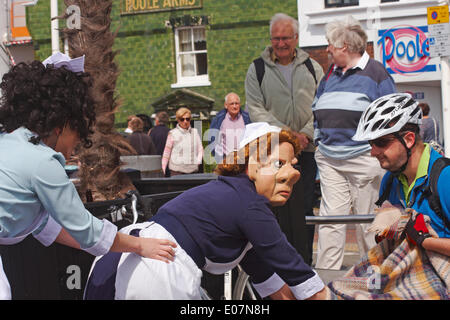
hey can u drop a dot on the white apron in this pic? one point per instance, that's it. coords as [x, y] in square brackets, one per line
[140, 278]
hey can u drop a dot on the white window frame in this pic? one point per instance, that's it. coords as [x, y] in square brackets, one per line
[193, 81]
[340, 4]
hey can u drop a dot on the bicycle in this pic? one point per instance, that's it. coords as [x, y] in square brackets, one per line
[243, 289]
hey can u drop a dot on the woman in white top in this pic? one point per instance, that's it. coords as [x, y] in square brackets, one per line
[183, 152]
[46, 110]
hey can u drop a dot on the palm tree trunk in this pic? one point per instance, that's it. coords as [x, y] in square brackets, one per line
[95, 40]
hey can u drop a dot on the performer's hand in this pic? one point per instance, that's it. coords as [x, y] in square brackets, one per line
[416, 230]
[159, 249]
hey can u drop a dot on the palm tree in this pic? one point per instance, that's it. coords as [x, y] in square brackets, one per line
[95, 40]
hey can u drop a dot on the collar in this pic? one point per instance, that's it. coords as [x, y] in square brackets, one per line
[362, 62]
[274, 58]
[183, 130]
[231, 119]
[25, 134]
[422, 171]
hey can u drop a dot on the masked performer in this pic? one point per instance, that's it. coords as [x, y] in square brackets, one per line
[218, 225]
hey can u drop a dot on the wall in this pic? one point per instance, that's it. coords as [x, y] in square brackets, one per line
[372, 13]
[374, 17]
[4, 59]
[432, 96]
[320, 54]
[38, 23]
[22, 52]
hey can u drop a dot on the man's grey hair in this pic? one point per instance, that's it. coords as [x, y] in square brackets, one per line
[228, 95]
[347, 32]
[284, 17]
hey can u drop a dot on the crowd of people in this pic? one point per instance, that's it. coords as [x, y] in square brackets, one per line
[348, 125]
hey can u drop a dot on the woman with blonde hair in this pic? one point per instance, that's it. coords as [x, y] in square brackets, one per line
[218, 225]
[183, 152]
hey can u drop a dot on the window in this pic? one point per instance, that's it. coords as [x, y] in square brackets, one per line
[340, 3]
[191, 57]
[19, 30]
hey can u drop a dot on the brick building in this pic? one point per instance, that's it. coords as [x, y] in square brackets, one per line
[204, 46]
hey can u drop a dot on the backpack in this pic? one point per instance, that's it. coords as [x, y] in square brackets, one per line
[260, 69]
[429, 192]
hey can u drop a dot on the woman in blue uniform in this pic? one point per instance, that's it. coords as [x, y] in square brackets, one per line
[217, 226]
[46, 111]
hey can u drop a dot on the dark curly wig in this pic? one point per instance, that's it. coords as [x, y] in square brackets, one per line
[44, 98]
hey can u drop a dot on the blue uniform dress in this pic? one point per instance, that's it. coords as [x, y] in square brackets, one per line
[36, 196]
[397, 194]
[218, 225]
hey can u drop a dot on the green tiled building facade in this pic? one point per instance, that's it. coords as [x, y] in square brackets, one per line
[236, 33]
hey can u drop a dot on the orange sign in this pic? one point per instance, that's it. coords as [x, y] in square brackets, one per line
[437, 15]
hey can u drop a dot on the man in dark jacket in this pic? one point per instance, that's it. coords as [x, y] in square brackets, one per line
[227, 126]
[160, 131]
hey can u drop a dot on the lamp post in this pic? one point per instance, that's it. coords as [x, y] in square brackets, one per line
[54, 25]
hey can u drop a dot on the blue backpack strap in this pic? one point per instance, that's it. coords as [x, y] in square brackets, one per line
[101, 284]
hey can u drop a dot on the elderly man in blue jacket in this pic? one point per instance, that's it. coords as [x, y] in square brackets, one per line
[227, 127]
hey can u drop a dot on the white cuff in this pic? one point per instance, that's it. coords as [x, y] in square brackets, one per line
[50, 232]
[107, 237]
[308, 288]
[270, 286]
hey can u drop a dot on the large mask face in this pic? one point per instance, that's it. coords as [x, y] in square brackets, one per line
[275, 177]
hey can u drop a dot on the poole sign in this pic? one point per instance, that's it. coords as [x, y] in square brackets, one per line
[404, 50]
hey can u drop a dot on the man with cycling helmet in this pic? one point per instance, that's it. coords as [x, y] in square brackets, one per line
[391, 125]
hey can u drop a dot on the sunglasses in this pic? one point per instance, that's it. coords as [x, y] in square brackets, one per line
[381, 142]
[384, 142]
[185, 119]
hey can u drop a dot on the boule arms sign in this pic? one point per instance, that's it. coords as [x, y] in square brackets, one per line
[145, 6]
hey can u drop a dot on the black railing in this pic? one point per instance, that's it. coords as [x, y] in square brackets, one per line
[348, 219]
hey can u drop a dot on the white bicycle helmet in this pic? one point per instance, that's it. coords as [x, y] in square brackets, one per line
[388, 114]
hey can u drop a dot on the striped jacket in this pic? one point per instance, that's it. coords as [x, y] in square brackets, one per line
[339, 103]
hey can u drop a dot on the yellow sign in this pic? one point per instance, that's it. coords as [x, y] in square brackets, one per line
[143, 6]
[437, 14]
